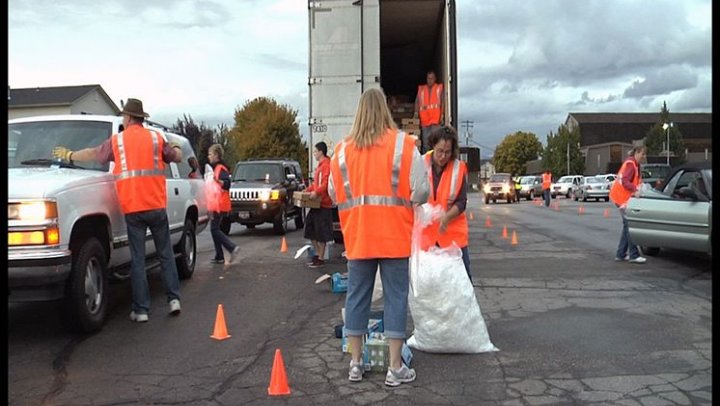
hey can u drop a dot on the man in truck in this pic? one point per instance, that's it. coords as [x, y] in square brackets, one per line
[430, 107]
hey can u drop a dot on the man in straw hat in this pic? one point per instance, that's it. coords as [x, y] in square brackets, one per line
[140, 156]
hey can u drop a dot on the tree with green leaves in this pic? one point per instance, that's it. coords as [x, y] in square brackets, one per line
[555, 155]
[265, 129]
[656, 138]
[515, 151]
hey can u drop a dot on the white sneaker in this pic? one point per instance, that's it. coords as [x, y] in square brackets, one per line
[638, 260]
[138, 317]
[234, 254]
[355, 374]
[402, 375]
[174, 307]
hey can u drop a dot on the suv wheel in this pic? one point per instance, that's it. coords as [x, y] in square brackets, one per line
[531, 195]
[87, 289]
[280, 222]
[299, 217]
[187, 248]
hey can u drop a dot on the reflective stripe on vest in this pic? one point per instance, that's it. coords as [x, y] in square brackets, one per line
[394, 200]
[139, 171]
[457, 229]
[430, 103]
[454, 189]
[125, 173]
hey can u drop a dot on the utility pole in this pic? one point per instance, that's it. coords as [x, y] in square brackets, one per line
[568, 159]
[468, 125]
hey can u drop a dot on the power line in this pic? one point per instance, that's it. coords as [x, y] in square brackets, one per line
[468, 124]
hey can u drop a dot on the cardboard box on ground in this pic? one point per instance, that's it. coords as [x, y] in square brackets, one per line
[303, 199]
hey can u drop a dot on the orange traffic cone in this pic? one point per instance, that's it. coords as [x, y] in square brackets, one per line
[557, 206]
[607, 213]
[514, 240]
[283, 246]
[488, 224]
[220, 332]
[504, 234]
[581, 210]
[471, 216]
[278, 378]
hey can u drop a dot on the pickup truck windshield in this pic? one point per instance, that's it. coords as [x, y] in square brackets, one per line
[34, 141]
[257, 172]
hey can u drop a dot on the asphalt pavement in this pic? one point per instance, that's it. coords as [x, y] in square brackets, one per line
[572, 327]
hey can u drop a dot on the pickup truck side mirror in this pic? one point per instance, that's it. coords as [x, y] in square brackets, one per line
[290, 176]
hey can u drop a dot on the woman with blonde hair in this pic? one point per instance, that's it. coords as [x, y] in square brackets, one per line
[376, 176]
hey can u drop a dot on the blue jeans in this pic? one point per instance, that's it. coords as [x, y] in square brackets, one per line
[396, 285]
[546, 195]
[137, 224]
[219, 238]
[625, 245]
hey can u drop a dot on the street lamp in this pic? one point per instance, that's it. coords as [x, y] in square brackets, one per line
[667, 128]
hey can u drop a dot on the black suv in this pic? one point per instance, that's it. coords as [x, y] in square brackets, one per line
[262, 191]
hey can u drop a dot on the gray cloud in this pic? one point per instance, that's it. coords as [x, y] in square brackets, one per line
[663, 81]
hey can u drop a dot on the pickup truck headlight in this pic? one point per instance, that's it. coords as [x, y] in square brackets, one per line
[33, 223]
[486, 188]
[505, 188]
[28, 211]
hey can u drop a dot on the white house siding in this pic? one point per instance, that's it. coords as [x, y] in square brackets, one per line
[94, 103]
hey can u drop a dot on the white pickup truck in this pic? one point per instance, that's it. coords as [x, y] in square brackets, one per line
[66, 234]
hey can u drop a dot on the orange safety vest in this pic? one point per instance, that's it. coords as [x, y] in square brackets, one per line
[618, 194]
[139, 169]
[546, 181]
[224, 203]
[430, 101]
[372, 188]
[448, 190]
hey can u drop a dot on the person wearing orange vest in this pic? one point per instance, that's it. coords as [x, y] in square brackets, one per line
[377, 176]
[140, 156]
[220, 209]
[430, 107]
[546, 184]
[625, 186]
[448, 182]
[319, 222]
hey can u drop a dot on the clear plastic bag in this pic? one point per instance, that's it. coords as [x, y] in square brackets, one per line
[213, 190]
[442, 301]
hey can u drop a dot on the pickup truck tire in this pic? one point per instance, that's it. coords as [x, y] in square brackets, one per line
[299, 218]
[650, 251]
[280, 222]
[532, 195]
[187, 248]
[86, 297]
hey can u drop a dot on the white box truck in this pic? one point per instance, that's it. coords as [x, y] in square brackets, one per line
[356, 45]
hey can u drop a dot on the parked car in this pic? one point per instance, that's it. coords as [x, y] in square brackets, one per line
[654, 174]
[500, 186]
[565, 186]
[530, 186]
[678, 215]
[66, 233]
[262, 192]
[608, 177]
[592, 187]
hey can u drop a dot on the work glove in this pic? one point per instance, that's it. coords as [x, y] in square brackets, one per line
[62, 153]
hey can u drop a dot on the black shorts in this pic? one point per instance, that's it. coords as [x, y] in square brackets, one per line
[319, 225]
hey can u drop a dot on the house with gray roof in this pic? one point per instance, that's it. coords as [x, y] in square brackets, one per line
[605, 138]
[39, 101]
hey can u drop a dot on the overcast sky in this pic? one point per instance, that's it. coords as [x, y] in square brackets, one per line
[522, 65]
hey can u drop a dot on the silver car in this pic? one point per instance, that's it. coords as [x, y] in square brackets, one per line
[530, 187]
[592, 187]
[678, 215]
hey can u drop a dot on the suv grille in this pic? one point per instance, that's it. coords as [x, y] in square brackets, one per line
[244, 194]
